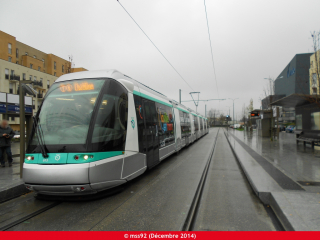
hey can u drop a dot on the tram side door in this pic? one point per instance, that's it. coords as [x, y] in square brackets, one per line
[151, 136]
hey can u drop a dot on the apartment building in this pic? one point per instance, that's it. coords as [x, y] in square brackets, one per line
[19, 61]
[314, 73]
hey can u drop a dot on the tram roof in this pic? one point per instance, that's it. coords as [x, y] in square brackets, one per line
[115, 74]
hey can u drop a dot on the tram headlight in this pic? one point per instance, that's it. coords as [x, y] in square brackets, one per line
[30, 158]
[85, 157]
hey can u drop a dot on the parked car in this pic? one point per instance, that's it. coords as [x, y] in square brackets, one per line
[17, 135]
[290, 129]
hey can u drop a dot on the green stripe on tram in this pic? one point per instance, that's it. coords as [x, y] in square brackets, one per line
[69, 158]
[150, 98]
[183, 110]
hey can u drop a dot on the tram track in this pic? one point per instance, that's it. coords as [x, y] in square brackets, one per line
[29, 216]
[191, 217]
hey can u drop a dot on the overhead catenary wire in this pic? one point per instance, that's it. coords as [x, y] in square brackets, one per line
[214, 70]
[154, 44]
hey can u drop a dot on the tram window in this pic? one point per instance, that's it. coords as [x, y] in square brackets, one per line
[165, 125]
[140, 121]
[184, 123]
[196, 124]
[110, 127]
[65, 117]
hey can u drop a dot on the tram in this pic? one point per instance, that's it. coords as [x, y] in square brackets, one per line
[99, 129]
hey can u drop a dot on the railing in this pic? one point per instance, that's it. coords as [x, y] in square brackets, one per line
[37, 83]
[39, 95]
[15, 77]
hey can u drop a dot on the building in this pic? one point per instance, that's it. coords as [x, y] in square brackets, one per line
[19, 61]
[265, 103]
[314, 73]
[294, 79]
[295, 76]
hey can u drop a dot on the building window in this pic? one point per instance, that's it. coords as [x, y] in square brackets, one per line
[315, 121]
[11, 88]
[35, 78]
[9, 48]
[17, 52]
[55, 74]
[6, 73]
[23, 76]
[39, 68]
[48, 84]
[314, 79]
[31, 65]
[30, 78]
[27, 53]
[33, 104]
[34, 56]
[12, 118]
[299, 121]
[54, 65]
[63, 68]
[9, 59]
[314, 90]
[17, 62]
[41, 79]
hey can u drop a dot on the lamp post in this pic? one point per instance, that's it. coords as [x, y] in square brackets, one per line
[233, 108]
[271, 93]
[22, 124]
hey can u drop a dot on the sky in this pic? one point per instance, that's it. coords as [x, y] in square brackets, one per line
[251, 40]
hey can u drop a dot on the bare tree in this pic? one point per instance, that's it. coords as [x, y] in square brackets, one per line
[213, 116]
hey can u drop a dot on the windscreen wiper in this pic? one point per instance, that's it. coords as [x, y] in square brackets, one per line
[38, 131]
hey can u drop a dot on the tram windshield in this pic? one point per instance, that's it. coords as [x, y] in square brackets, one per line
[82, 115]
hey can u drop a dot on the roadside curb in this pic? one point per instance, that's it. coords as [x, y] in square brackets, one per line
[13, 191]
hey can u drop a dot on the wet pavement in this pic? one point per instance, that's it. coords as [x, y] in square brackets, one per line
[273, 173]
[228, 202]
[296, 161]
[10, 176]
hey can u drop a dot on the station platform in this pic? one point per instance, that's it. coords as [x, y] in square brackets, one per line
[278, 172]
[11, 185]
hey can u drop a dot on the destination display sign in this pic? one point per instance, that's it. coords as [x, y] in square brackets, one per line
[76, 87]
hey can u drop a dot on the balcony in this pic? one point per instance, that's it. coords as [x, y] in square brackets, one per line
[14, 78]
[39, 95]
[38, 84]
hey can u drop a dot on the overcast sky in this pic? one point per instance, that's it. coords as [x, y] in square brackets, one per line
[251, 39]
